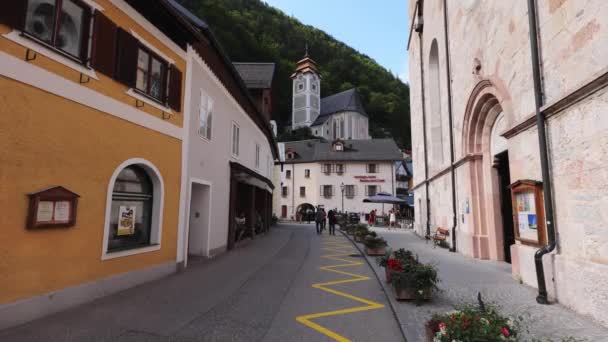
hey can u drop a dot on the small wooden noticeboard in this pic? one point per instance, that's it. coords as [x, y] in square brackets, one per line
[528, 212]
[52, 207]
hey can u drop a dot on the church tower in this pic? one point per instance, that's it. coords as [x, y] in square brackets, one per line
[306, 93]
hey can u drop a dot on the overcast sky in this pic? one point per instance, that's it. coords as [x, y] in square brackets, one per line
[378, 28]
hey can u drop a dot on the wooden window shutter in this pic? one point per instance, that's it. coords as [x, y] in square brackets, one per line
[103, 56]
[175, 89]
[126, 63]
[13, 13]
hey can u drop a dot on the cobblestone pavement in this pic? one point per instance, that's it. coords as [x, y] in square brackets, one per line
[462, 278]
[253, 293]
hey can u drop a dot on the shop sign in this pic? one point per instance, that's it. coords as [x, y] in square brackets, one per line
[369, 179]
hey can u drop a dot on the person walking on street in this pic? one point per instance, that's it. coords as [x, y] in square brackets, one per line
[319, 221]
[331, 216]
[324, 219]
[392, 219]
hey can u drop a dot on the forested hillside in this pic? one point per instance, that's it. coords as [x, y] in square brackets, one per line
[251, 31]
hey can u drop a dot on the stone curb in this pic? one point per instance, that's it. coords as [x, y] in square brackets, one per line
[388, 296]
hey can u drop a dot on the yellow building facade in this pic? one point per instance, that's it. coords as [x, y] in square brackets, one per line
[64, 123]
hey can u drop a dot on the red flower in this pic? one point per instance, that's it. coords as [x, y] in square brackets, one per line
[505, 332]
[442, 325]
[394, 265]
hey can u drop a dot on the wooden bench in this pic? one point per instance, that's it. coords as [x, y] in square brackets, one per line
[441, 234]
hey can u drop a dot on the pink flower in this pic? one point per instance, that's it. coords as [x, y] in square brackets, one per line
[442, 325]
[505, 332]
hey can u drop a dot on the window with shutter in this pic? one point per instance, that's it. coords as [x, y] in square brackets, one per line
[151, 74]
[61, 24]
[349, 191]
[127, 47]
[103, 57]
[175, 89]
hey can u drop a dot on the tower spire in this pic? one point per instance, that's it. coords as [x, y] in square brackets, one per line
[306, 53]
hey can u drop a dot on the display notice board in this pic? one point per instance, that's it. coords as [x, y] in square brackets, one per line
[528, 212]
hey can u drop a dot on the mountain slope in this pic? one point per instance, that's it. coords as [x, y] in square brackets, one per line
[251, 31]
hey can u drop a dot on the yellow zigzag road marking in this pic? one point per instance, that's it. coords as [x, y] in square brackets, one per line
[341, 250]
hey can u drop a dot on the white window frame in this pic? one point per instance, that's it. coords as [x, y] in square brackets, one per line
[158, 199]
[207, 108]
[235, 140]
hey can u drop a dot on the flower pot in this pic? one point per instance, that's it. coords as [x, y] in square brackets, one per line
[430, 335]
[388, 272]
[410, 293]
[375, 251]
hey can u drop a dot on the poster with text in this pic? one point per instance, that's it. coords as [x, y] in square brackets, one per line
[126, 220]
[526, 216]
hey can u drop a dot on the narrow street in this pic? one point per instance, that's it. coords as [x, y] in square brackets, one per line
[290, 285]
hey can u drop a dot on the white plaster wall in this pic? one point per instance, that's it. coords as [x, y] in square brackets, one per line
[208, 160]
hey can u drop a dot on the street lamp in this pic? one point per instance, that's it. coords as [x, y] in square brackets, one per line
[342, 189]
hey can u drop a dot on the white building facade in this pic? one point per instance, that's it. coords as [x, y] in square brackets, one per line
[228, 154]
[338, 175]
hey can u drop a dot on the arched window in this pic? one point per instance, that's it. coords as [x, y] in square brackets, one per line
[134, 210]
[435, 116]
[131, 216]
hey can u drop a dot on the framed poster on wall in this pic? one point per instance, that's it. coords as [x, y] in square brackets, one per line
[528, 212]
[52, 207]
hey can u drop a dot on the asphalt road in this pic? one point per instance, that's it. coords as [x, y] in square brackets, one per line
[291, 285]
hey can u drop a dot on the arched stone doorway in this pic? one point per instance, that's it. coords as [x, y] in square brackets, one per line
[306, 212]
[486, 117]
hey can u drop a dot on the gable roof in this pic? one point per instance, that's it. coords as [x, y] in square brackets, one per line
[346, 101]
[354, 150]
[208, 47]
[256, 75]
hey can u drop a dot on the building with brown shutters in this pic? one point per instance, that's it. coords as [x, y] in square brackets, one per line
[92, 113]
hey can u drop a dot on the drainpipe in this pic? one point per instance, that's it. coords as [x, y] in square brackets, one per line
[426, 159]
[449, 87]
[293, 191]
[544, 160]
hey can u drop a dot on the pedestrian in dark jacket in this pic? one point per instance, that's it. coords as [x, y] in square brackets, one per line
[319, 217]
[331, 216]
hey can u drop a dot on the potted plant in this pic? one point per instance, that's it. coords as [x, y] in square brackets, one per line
[405, 256]
[415, 281]
[360, 234]
[382, 261]
[473, 323]
[375, 246]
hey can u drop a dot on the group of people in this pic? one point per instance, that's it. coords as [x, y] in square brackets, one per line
[321, 218]
[392, 215]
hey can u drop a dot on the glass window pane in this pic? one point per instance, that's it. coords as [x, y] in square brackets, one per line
[156, 79]
[141, 232]
[69, 37]
[143, 58]
[40, 19]
[133, 179]
[142, 80]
